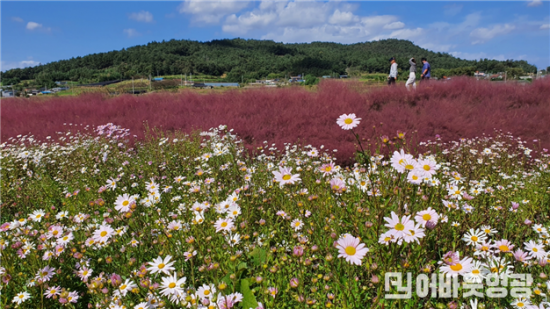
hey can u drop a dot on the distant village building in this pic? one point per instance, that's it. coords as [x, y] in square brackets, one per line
[8, 94]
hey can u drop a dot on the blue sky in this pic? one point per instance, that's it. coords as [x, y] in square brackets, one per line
[41, 32]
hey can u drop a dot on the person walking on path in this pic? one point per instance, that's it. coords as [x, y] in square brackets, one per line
[412, 75]
[426, 70]
[393, 72]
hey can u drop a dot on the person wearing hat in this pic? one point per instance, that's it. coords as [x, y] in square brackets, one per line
[393, 72]
[412, 74]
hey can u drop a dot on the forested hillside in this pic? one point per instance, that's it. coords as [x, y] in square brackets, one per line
[251, 59]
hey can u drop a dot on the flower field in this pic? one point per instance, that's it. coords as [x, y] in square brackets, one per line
[461, 108]
[98, 219]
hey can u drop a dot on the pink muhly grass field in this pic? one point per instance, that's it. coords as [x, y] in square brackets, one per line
[454, 109]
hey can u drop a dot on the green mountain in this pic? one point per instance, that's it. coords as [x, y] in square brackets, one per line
[250, 59]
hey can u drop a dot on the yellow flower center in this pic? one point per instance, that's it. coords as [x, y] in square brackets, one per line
[427, 167]
[286, 177]
[125, 203]
[399, 227]
[414, 177]
[103, 234]
[427, 217]
[474, 238]
[456, 267]
[172, 285]
[487, 231]
[409, 167]
[350, 250]
[206, 292]
[224, 224]
[535, 250]
[475, 271]
[348, 121]
[21, 296]
[161, 266]
[123, 287]
[503, 248]
[55, 232]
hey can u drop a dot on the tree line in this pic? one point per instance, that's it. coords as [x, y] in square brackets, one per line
[250, 59]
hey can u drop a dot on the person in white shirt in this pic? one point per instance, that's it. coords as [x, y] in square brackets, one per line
[393, 72]
[412, 75]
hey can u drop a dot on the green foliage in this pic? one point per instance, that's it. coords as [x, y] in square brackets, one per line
[311, 80]
[248, 60]
[249, 301]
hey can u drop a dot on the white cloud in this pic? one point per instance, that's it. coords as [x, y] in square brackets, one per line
[534, 3]
[437, 47]
[378, 21]
[394, 25]
[482, 35]
[246, 22]
[407, 34]
[295, 19]
[131, 32]
[211, 12]
[342, 18]
[545, 26]
[142, 16]
[17, 19]
[326, 33]
[8, 65]
[476, 56]
[31, 25]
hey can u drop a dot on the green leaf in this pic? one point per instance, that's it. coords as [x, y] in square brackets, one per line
[227, 280]
[259, 255]
[249, 301]
[242, 266]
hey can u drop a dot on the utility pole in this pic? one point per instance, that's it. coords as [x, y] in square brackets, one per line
[505, 75]
[133, 89]
[149, 82]
[181, 79]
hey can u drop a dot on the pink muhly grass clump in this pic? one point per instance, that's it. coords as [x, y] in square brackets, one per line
[454, 109]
